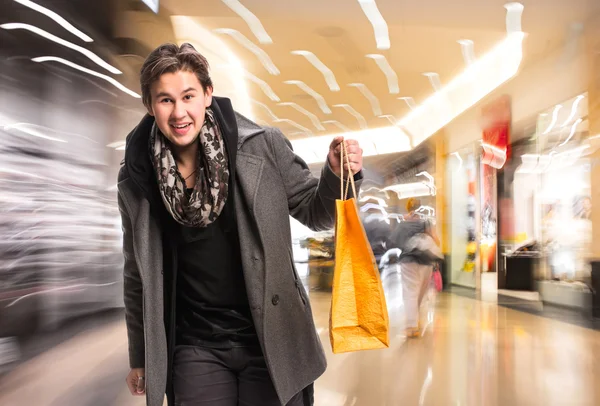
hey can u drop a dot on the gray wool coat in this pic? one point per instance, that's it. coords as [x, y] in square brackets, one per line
[272, 183]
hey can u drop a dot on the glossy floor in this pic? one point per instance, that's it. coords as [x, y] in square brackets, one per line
[472, 353]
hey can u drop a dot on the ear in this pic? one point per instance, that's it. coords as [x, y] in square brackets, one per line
[208, 96]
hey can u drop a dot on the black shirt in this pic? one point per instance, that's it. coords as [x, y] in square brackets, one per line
[212, 303]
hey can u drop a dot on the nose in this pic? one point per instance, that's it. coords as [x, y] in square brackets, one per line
[179, 111]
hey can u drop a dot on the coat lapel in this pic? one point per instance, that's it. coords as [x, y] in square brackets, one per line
[249, 172]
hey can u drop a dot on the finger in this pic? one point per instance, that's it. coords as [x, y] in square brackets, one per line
[336, 142]
[130, 385]
[141, 385]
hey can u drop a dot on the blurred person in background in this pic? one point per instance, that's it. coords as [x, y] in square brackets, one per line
[215, 312]
[416, 264]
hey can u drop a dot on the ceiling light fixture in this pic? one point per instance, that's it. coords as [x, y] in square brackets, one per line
[410, 102]
[554, 119]
[573, 110]
[573, 129]
[338, 125]
[267, 109]
[316, 62]
[61, 21]
[263, 85]
[361, 120]
[252, 47]
[380, 27]
[92, 56]
[390, 118]
[514, 13]
[320, 99]
[468, 53]
[152, 5]
[434, 79]
[89, 72]
[252, 20]
[379, 200]
[369, 96]
[386, 68]
[294, 124]
[311, 116]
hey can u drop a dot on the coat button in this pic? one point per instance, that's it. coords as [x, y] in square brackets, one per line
[275, 300]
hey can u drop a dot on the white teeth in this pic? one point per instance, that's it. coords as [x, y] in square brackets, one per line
[180, 126]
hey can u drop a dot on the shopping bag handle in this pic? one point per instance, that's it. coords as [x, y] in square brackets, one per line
[344, 154]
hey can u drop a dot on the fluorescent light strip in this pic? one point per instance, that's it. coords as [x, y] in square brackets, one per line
[294, 124]
[252, 20]
[88, 71]
[384, 65]
[390, 117]
[313, 118]
[380, 27]
[465, 90]
[386, 139]
[573, 110]
[267, 109]
[320, 99]
[514, 13]
[250, 46]
[25, 128]
[361, 120]
[554, 119]
[573, 129]
[61, 21]
[468, 53]
[92, 56]
[327, 73]
[434, 79]
[116, 144]
[338, 125]
[410, 102]
[264, 86]
[370, 97]
[152, 5]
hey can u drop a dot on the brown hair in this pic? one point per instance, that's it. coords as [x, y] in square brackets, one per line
[169, 58]
[412, 204]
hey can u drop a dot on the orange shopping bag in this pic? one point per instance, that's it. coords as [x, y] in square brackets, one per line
[358, 319]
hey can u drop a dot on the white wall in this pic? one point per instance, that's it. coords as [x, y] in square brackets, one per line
[537, 87]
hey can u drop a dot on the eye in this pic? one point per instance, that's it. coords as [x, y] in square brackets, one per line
[166, 100]
[188, 97]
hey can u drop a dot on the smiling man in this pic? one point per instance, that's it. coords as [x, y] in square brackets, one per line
[216, 314]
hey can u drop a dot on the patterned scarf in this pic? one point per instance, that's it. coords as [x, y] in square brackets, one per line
[212, 176]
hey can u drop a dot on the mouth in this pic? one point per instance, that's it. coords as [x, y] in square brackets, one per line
[180, 126]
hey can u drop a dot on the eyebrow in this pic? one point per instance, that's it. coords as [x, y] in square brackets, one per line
[165, 94]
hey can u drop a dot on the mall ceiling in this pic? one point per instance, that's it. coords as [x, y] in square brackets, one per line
[308, 49]
[423, 38]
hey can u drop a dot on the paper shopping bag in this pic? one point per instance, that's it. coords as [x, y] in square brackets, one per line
[358, 318]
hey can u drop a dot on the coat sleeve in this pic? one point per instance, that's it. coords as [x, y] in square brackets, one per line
[311, 200]
[133, 290]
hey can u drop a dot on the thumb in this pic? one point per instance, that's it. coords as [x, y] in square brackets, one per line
[141, 384]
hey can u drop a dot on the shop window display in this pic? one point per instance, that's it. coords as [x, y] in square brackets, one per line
[549, 180]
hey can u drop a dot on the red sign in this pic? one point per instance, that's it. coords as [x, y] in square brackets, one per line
[496, 118]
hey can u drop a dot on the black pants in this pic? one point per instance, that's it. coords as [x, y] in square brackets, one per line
[230, 377]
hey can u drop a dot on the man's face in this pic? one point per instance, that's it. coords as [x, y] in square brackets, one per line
[178, 104]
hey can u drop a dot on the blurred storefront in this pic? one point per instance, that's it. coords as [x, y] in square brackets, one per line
[548, 229]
